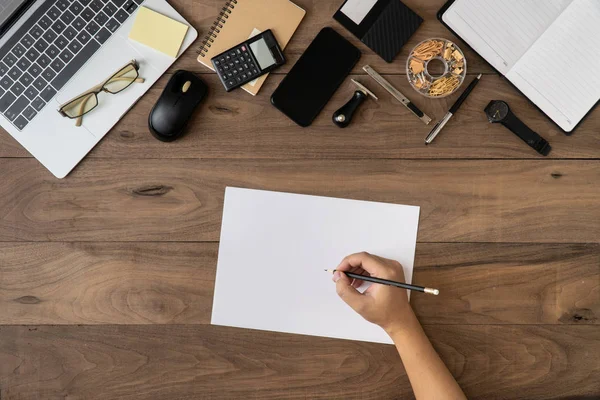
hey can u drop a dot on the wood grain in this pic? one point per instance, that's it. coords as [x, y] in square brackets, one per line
[200, 362]
[172, 283]
[237, 125]
[106, 277]
[181, 200]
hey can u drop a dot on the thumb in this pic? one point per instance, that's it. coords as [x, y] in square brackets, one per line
[347, 292]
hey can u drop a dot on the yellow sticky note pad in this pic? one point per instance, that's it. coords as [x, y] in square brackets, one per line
[157, 31]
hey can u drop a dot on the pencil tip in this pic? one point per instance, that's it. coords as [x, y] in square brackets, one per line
[329, 270]
[479, 76]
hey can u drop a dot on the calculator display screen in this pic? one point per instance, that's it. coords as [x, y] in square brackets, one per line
[262, 54]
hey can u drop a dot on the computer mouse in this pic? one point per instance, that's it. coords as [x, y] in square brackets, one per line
[175, 106]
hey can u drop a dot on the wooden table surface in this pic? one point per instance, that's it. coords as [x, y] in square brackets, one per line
[106, 277]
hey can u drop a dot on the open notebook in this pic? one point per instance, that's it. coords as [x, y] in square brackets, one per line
[549, 49]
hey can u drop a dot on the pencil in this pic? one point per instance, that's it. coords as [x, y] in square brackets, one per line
[427, 290]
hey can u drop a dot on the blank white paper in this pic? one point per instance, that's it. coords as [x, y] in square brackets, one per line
[274, 249]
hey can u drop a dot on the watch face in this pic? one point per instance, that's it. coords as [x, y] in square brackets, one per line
[497, 111]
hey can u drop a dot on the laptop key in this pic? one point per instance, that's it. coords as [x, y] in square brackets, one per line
[15, 109]
[31, 93]
[17, 88]
[38, 104]
[3, 68]
[39, 83]
[26, 79]
[2, 92]
[74, 46]
[6, 82]
[61, 42]
[52, 51]
[44, 61]
[10, 59]
[48, 93]
[27, 41]
[75, 64]
[121, 15]
[62, 4]
[112, 25]
[70, 33]
[35, 69]
[20, 122]
[67, 17]
[23, 63]
[14, 73]
[76, 8]
[92, 28]
[119, 3]
[130, 6]
[6, 101]
[102, 35]
[41, 45]
[83, 37]
[96, 5]
[100, 18]
[109, 9]
[87, 14]
[32, 54]
[45, 22]
[49, 36]
[58, 27]
[48, 74]
[139, 2]
[29, 113]
[18, 50]
[53, 13]
[79, 23]
[85, 2]
[36, 31]
[66, 56]
[57, 65]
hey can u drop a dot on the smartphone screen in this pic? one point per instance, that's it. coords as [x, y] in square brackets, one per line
[315, 77]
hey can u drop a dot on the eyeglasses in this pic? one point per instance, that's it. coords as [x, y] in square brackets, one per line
[77, 107]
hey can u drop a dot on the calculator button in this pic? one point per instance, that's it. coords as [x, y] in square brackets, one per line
[244, 76]
[217, 63]
[226, 67]
[222, 60]
[244, 48]
[240, 69]
[229, 75]
[246, 66]
[231, 83]
[234, 71]
[255, 71]
[242, 59]
[238, 79]
[227, 58]
[238, 51]
[237, 61]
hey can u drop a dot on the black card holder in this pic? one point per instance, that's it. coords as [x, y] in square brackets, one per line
[385, 29]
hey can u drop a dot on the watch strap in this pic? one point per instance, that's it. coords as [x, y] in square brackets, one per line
[530, 137]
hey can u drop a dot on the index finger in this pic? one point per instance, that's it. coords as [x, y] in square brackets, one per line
[363, 260]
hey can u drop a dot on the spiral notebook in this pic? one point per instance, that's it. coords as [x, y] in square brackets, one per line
[239, 20]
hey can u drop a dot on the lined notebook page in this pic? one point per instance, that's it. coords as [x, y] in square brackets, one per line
[502, 31]
[561, 71]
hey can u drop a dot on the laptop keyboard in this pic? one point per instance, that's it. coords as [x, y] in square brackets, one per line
[52, 45]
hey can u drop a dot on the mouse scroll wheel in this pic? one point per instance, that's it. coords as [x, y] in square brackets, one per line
[186, 86]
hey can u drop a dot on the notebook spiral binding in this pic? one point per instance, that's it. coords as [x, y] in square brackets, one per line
[216, 27]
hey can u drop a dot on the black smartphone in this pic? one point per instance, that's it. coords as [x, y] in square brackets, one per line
[315, 77]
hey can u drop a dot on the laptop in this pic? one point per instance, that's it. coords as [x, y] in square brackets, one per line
[54, 50]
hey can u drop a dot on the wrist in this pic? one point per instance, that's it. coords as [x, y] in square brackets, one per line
[405, 322]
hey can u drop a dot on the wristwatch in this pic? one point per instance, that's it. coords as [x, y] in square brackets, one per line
[498, 111]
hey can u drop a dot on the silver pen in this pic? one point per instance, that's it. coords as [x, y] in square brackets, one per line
[441, 123]
[397, 94]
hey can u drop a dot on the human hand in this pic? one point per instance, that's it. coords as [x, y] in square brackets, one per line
[386, 306]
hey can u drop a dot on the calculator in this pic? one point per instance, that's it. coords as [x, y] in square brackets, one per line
[248, 60]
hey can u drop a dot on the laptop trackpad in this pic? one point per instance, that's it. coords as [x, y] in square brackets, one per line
[113, 55]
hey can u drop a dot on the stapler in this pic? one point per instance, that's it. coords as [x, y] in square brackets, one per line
[343, 116]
